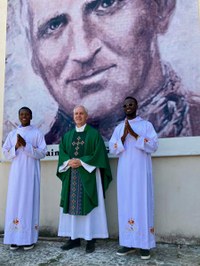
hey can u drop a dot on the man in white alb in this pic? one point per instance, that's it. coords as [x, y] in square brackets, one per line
[134, 140]
[24, 146]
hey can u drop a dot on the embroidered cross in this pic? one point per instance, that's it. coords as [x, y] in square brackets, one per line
[78, 143]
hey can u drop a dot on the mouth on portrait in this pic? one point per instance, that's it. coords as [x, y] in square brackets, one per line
[91, 76]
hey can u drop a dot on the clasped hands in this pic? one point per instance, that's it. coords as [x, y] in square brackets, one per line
[74, 163]
[128, 130]
[20, 142]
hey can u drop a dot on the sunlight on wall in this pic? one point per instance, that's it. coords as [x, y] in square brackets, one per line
[3, 12]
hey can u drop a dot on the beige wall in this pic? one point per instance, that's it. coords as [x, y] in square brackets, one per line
[3, 11]
[177, 181]
[177, 198]
[3, 171]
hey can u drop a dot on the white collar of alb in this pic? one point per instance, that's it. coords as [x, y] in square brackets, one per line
[80, 129]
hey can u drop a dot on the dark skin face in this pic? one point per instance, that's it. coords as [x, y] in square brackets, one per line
[25, 119]
[130, 109]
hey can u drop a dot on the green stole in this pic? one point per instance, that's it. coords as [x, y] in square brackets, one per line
[76, 187]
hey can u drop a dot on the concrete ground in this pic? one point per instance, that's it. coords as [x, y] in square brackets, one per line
[48, 252]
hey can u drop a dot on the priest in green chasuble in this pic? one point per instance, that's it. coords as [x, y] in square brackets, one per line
[85, 173]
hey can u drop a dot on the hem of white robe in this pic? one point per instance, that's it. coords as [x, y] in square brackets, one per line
[65, 234]
[10, 240]
[87, 232]
[137, 244]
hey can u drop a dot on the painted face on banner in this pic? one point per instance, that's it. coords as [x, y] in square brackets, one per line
[92, 53]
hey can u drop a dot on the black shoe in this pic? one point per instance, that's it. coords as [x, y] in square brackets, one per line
[125, 251]
[90, 247]
[145, 254]
[71, 244]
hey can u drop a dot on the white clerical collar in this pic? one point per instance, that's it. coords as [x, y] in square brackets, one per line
[80, 129]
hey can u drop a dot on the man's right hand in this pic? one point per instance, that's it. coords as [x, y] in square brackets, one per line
[20, 142]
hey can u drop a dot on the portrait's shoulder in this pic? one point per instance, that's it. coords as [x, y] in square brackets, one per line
[173, 83]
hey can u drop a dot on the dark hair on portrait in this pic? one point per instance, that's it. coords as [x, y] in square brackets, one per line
[26, 108]
[132, 98]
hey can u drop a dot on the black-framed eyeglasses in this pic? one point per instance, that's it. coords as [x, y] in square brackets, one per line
[128, 105]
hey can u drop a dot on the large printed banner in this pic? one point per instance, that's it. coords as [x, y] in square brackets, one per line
[63, 53]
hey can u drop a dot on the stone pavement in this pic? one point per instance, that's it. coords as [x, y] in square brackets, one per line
[48, 252]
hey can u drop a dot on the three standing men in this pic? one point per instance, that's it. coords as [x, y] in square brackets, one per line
[134, 140]
[85, 173]
[25, 146]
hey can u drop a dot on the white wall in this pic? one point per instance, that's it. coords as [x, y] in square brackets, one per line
[177, 198]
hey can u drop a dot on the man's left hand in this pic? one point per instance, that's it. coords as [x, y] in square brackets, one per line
[74, 163]
[131, 131]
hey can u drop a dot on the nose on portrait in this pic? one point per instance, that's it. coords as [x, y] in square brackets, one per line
[85, 45]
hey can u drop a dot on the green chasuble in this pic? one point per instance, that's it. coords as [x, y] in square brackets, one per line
[94, 153]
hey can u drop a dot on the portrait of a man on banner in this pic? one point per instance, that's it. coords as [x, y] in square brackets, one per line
[65, 53]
